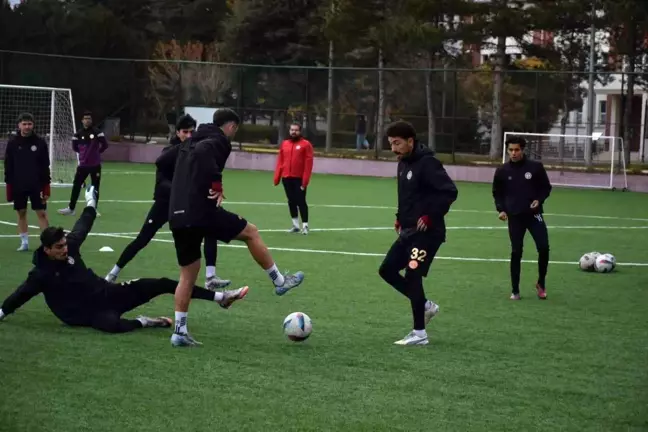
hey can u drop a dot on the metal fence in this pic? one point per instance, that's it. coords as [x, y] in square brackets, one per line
[145, 96]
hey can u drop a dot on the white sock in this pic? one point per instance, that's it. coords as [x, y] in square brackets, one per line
[24, 238]
[211, 271]
[218, 296]
[142, 320]
[305, 224]
[277, 278]
[420, 333]
[295, 222]
[115, 270]
[181, 322]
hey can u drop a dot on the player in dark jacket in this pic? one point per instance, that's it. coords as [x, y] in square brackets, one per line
[195, 212]
[89, 142]
[158, 215]
[27, 176]
[425, 194]
[520, 188]
[79, 297]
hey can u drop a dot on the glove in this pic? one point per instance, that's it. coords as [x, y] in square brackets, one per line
[216, 192]
[423, 223]
[9, 193]
[46, 192]
[397, 226]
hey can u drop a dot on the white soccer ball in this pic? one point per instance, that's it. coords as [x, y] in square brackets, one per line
[297, 326]
[587, 262]
[605, 263]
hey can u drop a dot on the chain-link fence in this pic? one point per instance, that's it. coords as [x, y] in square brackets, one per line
[452, 109]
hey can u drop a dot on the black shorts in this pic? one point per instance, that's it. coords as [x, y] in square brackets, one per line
[224, 226]
[414, 252]
[20, 200]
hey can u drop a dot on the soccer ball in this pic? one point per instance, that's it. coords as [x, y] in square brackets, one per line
[588, 262]
[297, 326]
[605, 263]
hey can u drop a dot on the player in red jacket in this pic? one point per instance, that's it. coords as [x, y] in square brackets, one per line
[294, 168]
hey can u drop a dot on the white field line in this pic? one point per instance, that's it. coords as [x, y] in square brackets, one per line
[332, 252]
[361, 207]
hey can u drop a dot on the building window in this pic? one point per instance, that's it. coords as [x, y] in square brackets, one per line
[602, 114]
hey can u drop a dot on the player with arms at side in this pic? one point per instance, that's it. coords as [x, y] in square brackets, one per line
[158, 215]
[425, 194]
[294, 169]
[27, 176]
[89, 142]
[520, 188]
[196, 212]
[79, 297]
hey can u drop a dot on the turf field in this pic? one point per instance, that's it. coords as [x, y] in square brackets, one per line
[575, 362]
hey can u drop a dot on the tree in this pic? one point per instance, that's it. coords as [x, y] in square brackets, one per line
[628, 21]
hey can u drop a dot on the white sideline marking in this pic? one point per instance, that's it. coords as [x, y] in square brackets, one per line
[330, 252]
[363, 207]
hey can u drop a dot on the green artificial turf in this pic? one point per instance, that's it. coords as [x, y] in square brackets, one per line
[576, 362]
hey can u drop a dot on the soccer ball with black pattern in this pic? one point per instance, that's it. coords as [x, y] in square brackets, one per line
[297, 326]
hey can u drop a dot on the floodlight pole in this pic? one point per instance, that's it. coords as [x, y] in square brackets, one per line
[591, 96]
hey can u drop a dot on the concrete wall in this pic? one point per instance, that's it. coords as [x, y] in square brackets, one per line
[147, 153]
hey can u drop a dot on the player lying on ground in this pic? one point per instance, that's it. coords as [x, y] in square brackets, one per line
[520, 188]
[425, 194]
[158, 215]
[27, 176]
[89, 142]
[79, 297]
[195, 212]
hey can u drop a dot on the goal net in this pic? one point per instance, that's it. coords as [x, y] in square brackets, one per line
[53, 113]
[577, 160]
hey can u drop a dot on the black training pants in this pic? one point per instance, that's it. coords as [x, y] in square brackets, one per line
[296, 197]
[518, 225]
[79, 178]
[126, 296]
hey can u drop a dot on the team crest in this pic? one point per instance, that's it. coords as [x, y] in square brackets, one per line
[33, 148]
[91, 136]
[298, 147]
[70, 260]
[413, 264]
[527, 176]
[409, 175]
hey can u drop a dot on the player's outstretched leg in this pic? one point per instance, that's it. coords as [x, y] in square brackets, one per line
[259, 251]
[540, 234]
[212, 281]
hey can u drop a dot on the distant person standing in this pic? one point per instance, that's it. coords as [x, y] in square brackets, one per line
[294, 169]
[361, 132]
[89, 142]
[27, 176]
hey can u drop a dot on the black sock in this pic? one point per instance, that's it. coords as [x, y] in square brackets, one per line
[417, 299]
[543, 265]
[516, 262]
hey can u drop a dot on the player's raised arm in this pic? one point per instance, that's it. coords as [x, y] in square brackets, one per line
[30, 288]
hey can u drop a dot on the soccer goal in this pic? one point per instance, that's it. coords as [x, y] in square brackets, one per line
[53, 112]
[565, 158]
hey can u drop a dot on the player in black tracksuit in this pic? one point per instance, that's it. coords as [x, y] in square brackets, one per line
[158, 215]
[425, 194]
[78, 296]
[520, 188]
[195, 212]
[27, 176]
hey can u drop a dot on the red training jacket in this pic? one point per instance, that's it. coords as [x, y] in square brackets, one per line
[295, 160]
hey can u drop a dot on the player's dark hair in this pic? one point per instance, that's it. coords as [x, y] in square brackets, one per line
[28, 117]
[296, 124]
[87, 113]
[401, 129]
[185, 122]
[51, 235]
[223, 116]
[516, 140]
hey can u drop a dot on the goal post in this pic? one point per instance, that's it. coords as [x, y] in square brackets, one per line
[565, 155]
[53, 111]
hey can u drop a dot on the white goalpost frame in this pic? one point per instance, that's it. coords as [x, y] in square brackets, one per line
[594, 137]
[50, 141]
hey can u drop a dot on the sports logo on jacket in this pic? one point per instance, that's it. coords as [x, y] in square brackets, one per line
[298, 147]
[33, 148]
[409, 175]
[527, 175]
[70, 260]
